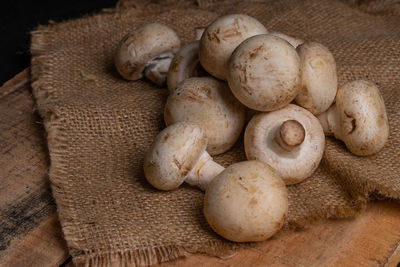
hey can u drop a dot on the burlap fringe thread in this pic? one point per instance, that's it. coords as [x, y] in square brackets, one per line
[151, 256]
[42, 87]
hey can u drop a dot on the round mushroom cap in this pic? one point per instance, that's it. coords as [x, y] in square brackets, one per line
[264, 73]
[210, 104]
[183, 65]
[221, 37]
[246, 202]
[294, 41]
[295, 165]
[363, 119]
[319, 78]
[173, 154]
[142, 45]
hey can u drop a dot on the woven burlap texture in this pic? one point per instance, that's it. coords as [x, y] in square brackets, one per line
[99, 126]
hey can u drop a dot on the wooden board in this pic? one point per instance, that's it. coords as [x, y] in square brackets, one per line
[369, 240]
[30, 234]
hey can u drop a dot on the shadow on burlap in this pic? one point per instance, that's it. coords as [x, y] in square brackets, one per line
[99, 126]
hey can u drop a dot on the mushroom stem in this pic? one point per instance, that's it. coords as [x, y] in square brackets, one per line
[330, 121]
[156, 69]
[290, 135]
[203, 172]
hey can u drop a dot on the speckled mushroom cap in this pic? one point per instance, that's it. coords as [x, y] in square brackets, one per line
[141, 46]
[319, 78]
[246, 202]
[358, 118]
[293, 165]
[221, 37]
[183, 65]
[264, 73]
[173, 154]
[294, 41]
[210, 104]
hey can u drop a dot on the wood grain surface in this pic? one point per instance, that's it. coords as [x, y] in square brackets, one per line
[30, 234]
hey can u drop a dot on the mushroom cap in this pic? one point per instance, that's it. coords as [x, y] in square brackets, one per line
[246, 202]
[173, 154]
[294, 41]
[183, 65]
[210, 104]
[319, 78]
[264, 73]
[142, 45]
[221, 37]
[293, 166]
[363, 119]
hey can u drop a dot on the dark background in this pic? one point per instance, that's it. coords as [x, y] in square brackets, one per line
[19, 17]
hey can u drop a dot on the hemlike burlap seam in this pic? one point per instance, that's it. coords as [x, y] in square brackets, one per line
[347, 188]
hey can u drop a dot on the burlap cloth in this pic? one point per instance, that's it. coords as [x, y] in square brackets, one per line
[99, 126]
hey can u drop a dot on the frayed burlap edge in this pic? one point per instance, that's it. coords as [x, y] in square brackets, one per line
[43, 87]
[41, 73]
[151, 256]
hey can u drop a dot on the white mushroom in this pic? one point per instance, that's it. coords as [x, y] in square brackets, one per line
[210, 104]
[290, 140]
[147, 51]
[294, 41]
[185, 64]
[179, 154]
[358, 118]
[199, 32]
[319, 78]
[246, 202]
[221, 37]
[264, 73]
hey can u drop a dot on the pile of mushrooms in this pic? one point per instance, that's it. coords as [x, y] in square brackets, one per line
[234, 68]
